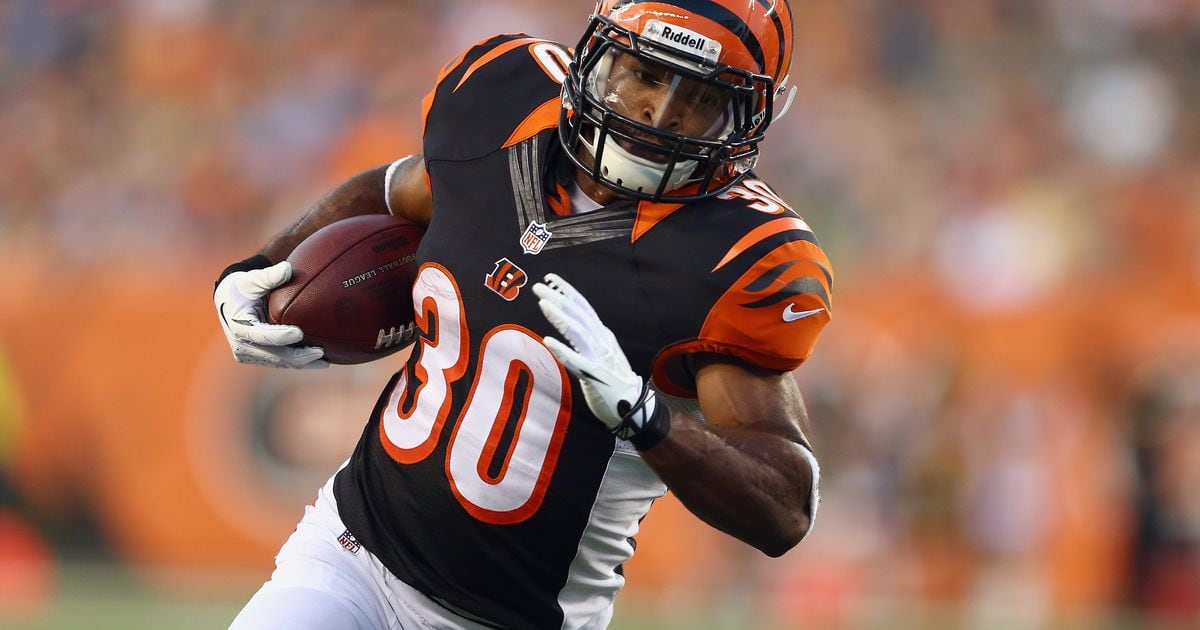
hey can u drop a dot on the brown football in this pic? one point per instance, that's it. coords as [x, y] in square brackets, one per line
[351, 288]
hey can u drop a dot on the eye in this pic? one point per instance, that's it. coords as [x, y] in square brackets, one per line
[705, 99]
[644, 76]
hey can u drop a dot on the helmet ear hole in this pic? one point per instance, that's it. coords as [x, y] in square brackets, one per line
[597, 79]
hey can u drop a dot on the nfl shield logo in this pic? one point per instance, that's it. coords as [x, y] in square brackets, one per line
[534, 238]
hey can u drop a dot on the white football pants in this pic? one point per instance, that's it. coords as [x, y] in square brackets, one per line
[320, 584]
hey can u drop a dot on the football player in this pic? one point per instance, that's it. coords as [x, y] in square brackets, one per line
[610, 303]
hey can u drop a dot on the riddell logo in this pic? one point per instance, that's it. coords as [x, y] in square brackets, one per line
[679, 37]
[683, 39]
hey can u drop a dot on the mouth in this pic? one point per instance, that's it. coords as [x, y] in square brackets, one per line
[658, 156]
[639, 143]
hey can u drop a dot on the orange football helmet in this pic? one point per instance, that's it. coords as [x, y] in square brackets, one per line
[668, 99]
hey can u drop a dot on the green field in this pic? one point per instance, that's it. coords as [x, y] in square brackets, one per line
[108, 597]
[102, 597]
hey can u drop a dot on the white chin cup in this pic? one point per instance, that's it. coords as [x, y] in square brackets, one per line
[620, 167]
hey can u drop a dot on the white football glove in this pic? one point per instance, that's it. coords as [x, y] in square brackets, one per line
[241, 303]
[614, 392]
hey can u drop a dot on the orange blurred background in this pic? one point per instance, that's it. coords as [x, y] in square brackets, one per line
[1006, 405]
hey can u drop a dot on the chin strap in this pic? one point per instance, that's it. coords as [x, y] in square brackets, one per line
[791, 96]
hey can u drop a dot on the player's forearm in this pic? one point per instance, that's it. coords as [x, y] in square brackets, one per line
[725, 479]
[361, 194]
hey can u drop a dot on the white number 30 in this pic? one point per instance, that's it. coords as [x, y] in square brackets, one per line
[494, 487]
[760, 195]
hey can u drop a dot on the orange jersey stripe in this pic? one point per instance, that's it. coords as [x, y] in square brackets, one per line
[560, 201]
[426, 105]
[817, 257]
[492, 54]
[540, 119]
[427, 102]
[760, 233]
[648, 215]
[771, 317]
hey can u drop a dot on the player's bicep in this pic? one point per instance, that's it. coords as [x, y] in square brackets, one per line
[737, 396]
[407, 187]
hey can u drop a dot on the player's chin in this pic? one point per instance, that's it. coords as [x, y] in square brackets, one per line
[647, 150]
[655, 149]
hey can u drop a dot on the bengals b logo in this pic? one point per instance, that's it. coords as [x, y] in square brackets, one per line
[506, 279]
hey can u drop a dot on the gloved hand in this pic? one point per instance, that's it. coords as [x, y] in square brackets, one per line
[614, 392]
[241, 300]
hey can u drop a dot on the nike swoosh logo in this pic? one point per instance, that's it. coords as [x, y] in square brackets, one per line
[244, 322]
[591, 377]
[790, 315]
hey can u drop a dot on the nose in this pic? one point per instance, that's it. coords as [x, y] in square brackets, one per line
[656, 112]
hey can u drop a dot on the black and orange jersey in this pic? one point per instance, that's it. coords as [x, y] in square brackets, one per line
[482, 478]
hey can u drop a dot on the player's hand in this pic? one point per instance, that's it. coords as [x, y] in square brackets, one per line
[240, 298]
[614, 392]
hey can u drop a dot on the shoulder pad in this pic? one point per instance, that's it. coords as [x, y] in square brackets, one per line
[498, 88]
[777, 291]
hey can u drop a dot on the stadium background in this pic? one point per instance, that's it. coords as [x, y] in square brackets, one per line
[1007, 404]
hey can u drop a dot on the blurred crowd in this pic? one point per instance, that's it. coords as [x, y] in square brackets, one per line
[1007, 404]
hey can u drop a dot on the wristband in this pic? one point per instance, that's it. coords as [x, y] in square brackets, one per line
[652, 430]
[257, 261]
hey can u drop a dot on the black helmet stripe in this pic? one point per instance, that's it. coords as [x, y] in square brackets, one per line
[720, 15]
[769, 5]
